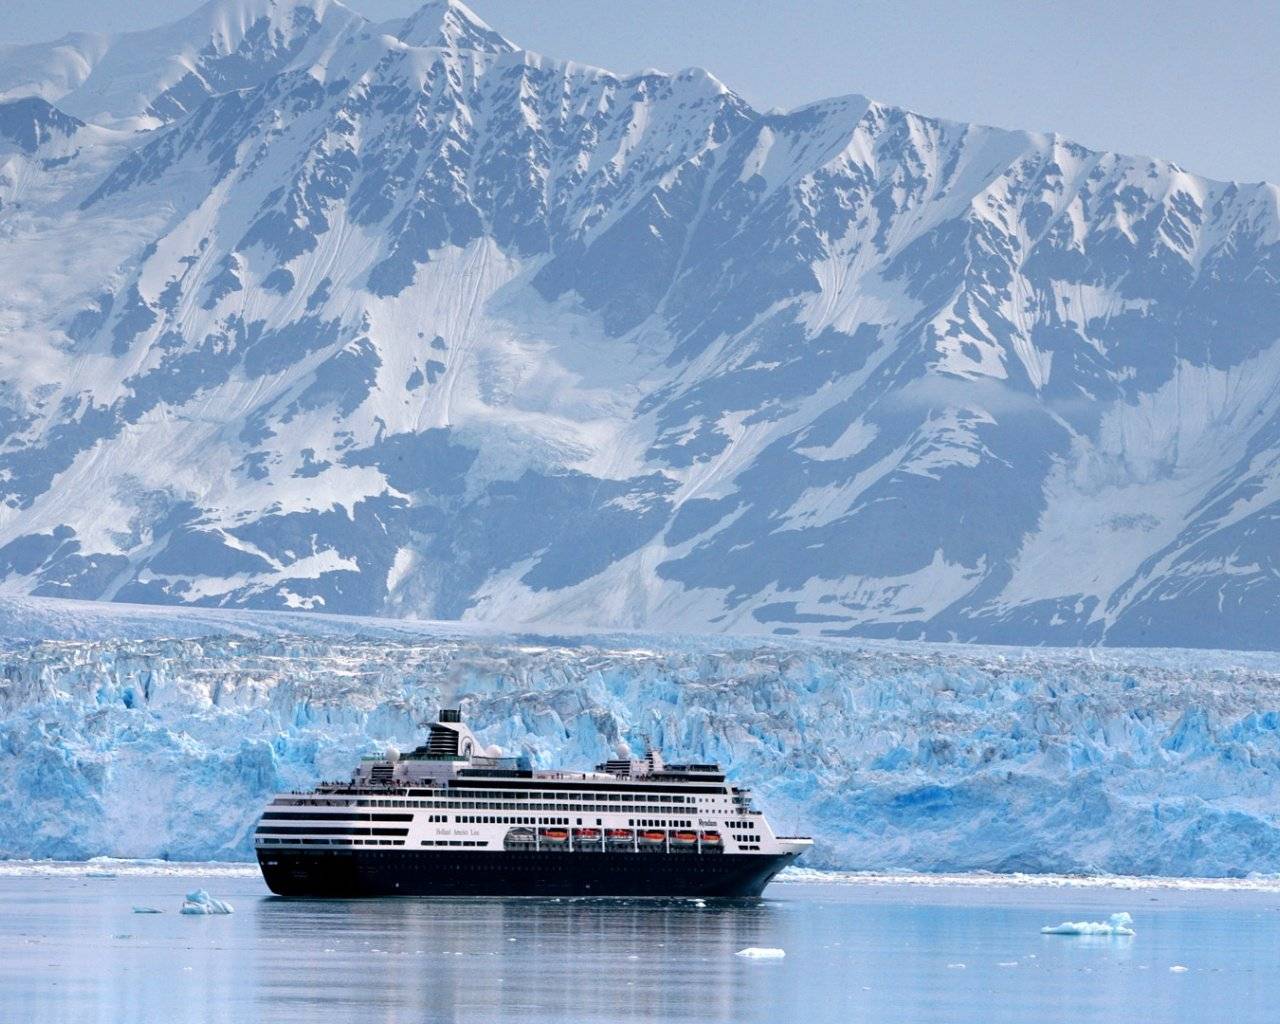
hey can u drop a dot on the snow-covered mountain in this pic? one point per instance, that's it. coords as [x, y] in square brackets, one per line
[308, 312]
[147, 732]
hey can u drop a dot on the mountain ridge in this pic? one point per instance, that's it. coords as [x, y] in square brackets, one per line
[468, 332]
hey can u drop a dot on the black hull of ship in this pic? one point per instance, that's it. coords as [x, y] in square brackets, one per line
[345, 874]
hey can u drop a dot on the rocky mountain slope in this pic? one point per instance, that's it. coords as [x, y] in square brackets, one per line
[308, 312]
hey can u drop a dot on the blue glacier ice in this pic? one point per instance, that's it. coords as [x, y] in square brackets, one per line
[160, 733]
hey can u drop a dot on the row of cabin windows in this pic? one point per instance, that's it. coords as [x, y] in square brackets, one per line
[574, 796]
[468, 805]
[331, 816]
[272, 829]
[563, 800]
[455, 842]
[658, 823]
[505, 795]
[330, 842]
[516, 819]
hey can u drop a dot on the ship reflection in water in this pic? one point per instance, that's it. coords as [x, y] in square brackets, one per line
[484, 959]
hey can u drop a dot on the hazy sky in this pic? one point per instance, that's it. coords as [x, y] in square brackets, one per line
[1196, 82]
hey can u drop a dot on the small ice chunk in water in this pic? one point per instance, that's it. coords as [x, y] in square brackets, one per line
[147, 910]
[761, 953]
[1178, 969]
[200, 902]
[1116, 924]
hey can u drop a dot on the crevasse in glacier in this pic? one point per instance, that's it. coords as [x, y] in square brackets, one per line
[163, 736]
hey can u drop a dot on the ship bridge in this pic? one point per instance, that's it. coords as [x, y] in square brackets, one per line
[451, 751]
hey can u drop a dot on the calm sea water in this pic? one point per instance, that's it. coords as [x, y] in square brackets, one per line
[72, 950]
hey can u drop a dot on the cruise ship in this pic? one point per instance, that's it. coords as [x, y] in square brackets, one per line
[447, 820]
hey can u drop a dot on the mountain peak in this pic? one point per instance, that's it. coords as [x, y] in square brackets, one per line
[30, 121]
[452, 25]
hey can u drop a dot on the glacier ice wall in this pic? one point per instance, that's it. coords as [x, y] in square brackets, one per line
[893, 755]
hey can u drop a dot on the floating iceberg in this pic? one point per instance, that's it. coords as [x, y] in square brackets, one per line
[761, 953]
[147, 910]
[200, 902]
[1116, 924]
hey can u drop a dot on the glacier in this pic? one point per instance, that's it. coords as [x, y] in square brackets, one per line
[306, 311]
[139, 732]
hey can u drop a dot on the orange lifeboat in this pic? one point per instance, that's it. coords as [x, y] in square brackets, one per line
[586, 835]
[619, 835]
[554, 835]
[684, 838]
[711, 839]
[653, 836]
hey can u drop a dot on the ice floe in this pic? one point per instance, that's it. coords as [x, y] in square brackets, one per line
[761, 953]
[199, 901]
[1116, 924]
